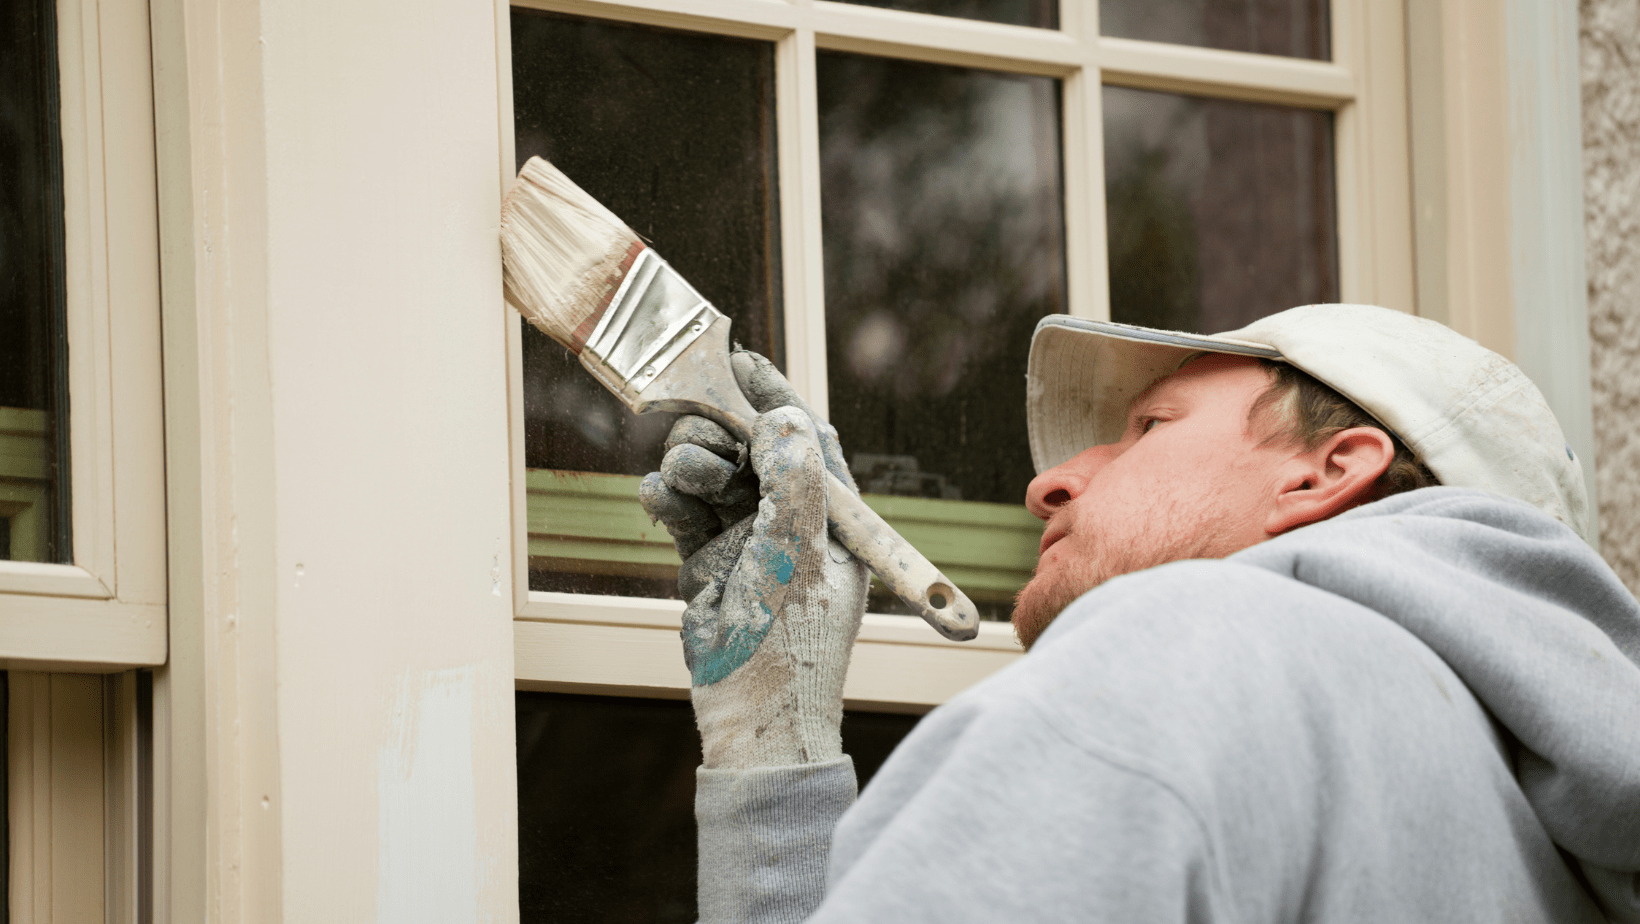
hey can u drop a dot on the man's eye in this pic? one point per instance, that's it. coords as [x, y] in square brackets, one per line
[1146, 423]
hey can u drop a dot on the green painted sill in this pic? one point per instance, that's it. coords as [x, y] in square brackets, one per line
[580, 521]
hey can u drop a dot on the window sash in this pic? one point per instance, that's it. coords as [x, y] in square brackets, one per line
[107, 609]
[611, 644]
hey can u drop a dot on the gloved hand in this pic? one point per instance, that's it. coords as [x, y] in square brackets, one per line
[774, 601]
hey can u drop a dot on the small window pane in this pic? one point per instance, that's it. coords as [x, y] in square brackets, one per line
[606, 804]
[944, 243]
[1293, 28]
[34, 513]
[1043, 14]
[1218, 213]
[675, 132]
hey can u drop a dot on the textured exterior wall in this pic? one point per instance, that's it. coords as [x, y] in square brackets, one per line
[1611, 196]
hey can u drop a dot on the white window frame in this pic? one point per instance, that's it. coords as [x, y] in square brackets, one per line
[72, 750]
[106, 610]
[625, 645]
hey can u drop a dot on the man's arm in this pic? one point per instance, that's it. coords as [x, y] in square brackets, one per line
[774, 606]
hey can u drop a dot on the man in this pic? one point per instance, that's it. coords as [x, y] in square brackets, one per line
[1274, 672]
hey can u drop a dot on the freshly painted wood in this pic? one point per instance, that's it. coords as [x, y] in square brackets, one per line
[116, 480]
[55, 778]
[1226, 74]
[90, 633]
[645, 658]
[335, 343]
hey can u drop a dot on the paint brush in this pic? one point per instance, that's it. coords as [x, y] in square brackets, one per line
[585, 279]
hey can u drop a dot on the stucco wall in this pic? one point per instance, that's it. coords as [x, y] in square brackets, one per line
[1611, 195]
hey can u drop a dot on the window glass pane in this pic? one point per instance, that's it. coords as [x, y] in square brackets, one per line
[606, 803]
[34, 518]
[944, 243]
[1294, 28]
[675, 132]
[942, 212]
[1044, 14]
[1218, 213]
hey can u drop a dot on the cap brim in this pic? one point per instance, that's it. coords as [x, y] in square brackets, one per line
[1083, 374]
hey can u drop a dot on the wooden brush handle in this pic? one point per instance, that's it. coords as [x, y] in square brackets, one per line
[900, 567]
[700, 381]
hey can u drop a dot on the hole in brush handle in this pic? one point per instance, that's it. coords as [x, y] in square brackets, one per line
[940, 596]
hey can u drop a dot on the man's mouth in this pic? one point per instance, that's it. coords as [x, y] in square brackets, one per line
[1049, 537]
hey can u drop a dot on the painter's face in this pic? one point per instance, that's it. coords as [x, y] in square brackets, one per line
[1186, 480]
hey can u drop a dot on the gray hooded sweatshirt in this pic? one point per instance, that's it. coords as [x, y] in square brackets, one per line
[1425, 710]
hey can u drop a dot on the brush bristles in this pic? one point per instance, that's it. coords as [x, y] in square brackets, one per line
[562, 252]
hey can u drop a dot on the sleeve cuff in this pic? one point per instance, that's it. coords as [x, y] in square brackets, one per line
[765, 838]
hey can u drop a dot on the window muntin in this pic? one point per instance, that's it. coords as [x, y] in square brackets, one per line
[1043, 14]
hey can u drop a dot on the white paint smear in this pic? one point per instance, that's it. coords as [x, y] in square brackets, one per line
[427, 868]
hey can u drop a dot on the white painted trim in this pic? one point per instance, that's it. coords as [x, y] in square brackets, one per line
[40, 578]
[1546, 216]
[797, 119]
[115, 429]
[650, 613]
[641, 656]
[55, 763]
[1375, 233]
[79, 633]
[1227, 74]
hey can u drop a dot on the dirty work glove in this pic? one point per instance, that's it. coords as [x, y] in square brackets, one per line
[774, 601]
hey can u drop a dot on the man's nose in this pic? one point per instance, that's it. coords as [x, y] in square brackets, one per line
[1063, 483]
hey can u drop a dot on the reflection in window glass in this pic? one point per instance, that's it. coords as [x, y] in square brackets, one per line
[674, 131]
[1043, 14]
[1218, 212]
[606, 803]
[1294, 28]
[34, 518]
[944, 243]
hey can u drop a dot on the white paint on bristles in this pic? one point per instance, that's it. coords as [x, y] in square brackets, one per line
[559, 249]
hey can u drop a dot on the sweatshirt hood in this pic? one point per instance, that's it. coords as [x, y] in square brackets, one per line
[1536, 625]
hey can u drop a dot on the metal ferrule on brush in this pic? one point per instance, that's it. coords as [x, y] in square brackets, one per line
[654, 315]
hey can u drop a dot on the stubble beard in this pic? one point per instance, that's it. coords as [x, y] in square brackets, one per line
[1171, 532]
[1046, 595]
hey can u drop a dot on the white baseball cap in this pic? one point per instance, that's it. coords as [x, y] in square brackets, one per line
[1471, 416]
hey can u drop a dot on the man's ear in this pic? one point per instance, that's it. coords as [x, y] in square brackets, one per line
[1320, 483]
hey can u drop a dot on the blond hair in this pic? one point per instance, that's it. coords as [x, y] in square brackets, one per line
[1302, 410]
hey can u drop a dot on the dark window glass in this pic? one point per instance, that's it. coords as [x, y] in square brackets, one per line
[1293, 28]
[33, 320]
[675, 132]
[1218, 213]
[1043, 14]
[606, 804]
[944, 244]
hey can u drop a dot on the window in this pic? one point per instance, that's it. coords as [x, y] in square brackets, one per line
[81, 461]
[907, 189]
[885, 200]
[82, 528]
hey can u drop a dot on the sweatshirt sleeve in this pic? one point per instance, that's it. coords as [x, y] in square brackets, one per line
[765, 835]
